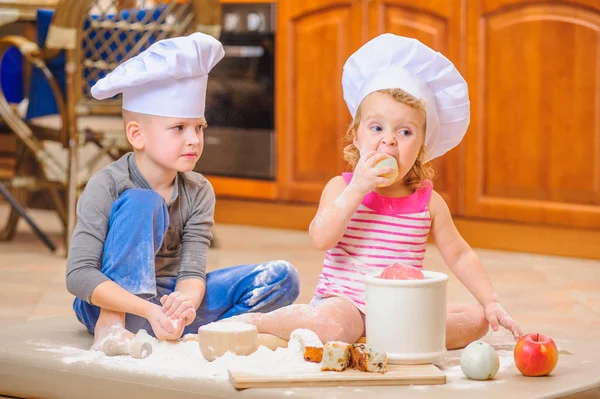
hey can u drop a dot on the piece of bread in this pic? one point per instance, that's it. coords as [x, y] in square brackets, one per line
[336, 356]
[310, 344]
[365, 357]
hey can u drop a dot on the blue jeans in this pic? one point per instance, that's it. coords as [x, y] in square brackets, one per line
[138, 222]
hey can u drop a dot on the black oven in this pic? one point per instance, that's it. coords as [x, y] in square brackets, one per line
[240, 104]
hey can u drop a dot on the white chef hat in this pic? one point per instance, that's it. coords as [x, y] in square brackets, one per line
[389, 61]
[168, 79]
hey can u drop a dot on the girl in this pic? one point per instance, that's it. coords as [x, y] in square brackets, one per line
[411, 103]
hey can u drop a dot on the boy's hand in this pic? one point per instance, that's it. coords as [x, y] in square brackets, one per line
[178, 307]
[496, 315]
[161, 324]
[366, 178]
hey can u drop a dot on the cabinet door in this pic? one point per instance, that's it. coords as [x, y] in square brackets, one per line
[533, 150]
[314, 39]
[436, 23]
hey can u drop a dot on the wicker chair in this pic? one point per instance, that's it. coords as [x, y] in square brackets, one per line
[92, 37]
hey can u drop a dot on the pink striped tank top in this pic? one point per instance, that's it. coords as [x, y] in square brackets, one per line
[383, 231]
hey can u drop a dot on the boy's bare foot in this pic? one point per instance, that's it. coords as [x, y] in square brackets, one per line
[112, 324]
[114, 331]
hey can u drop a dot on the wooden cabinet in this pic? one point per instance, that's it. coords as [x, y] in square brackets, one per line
[315, 37]
[533, 148]
[532, 152]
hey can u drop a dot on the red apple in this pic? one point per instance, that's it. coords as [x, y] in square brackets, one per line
[535, 355]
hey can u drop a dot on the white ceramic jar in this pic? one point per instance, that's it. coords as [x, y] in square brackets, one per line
[407, 318]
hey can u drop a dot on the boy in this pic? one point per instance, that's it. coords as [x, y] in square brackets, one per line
[138, 255]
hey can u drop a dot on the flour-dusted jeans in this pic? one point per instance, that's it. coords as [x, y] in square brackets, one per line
[138, 222]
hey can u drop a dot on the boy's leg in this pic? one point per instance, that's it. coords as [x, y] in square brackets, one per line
[464, 324]
[138, 221]
[247, 288]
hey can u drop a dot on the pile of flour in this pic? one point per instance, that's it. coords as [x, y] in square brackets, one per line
[184, 359]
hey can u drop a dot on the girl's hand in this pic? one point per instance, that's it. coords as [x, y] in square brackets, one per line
[366, 177]
[161, 324]
[178, 307]
[497, 316]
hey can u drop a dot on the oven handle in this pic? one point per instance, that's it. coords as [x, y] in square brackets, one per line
[244, 51]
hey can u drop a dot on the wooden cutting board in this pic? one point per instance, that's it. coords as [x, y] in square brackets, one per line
[424, 374]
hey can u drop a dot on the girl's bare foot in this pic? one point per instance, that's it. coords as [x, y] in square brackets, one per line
[333, 319]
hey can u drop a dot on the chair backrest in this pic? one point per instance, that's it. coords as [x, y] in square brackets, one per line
[112, 31]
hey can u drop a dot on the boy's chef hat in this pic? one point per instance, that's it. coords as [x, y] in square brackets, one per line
[391, 61]
[167, 79]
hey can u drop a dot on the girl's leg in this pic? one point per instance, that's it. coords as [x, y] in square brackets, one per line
[138, 221]
[337, 319]
[332, 319]
[464, 324]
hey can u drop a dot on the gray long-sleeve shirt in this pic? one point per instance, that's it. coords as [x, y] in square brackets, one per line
[184, 248]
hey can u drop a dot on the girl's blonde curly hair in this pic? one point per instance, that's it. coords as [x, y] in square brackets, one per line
[421, 170]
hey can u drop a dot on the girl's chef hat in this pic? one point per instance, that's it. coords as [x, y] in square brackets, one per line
[390, 61]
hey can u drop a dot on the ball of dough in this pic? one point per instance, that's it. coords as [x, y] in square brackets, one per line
[479, 361]
[399, 271]
[388, 162]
